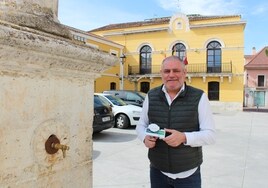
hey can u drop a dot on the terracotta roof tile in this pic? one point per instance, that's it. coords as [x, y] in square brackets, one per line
[156, 21]
[259, 60]
[164, 20]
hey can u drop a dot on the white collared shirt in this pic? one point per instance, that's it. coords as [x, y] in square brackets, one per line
[206, 135]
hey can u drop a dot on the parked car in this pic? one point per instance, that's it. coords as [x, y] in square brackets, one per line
[103, 115]
[125, 114]
[129, 96]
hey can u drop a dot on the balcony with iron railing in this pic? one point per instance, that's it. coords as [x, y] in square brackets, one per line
[191, 68]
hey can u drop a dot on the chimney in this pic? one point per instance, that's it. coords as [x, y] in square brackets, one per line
[253, 51]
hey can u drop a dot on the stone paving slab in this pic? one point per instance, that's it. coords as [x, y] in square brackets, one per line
[237, 160]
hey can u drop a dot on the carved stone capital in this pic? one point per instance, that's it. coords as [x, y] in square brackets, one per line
[37, 14]
[28, 51]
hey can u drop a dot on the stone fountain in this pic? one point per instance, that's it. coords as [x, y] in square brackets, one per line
[46, 98]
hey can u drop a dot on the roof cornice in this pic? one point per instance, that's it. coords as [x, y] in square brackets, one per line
[136, 31]
[217, 24]
[94, 37]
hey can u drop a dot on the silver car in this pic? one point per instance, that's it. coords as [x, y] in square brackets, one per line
[129, 96]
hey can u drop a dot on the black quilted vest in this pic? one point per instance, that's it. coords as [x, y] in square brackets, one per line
[182, 115]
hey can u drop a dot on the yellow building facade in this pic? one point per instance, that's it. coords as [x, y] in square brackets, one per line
[104, 45]
[212, 45]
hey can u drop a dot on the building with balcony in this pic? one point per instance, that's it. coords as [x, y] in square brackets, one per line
[212, 45]
[256, 79]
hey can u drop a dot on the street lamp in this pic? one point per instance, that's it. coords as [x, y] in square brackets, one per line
[247, 81]
[122, 58]
[247, 90]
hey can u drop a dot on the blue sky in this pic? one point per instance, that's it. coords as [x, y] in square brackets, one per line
[90, 14]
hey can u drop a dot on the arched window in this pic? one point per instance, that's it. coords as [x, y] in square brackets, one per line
[145, 87]
[112, 86]
[145, 59]
[179, 50]
[214, 57]
[213, 91]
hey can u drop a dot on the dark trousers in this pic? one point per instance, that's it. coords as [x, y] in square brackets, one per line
[159, 180]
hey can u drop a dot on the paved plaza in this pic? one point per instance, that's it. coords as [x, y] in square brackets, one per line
[239, 159]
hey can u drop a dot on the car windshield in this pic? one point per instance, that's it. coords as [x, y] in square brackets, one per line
[115, 100]
[100, 101]
[142, 94]
[135, 96]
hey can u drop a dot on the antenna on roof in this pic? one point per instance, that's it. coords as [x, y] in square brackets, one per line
[178, 6]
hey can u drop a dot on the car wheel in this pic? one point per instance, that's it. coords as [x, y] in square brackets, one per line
[122, 121]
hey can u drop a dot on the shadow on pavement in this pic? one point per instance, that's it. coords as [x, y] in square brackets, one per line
[110, 136]
[115, 135]
[95, 154]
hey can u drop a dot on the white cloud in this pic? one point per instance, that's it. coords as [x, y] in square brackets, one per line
[208, 7]
[87, 16]
[260, 9]
[170, 5]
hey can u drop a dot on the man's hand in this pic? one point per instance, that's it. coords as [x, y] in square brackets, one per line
[149, 141]
[175, 138]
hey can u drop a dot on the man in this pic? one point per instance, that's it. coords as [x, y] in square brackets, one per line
[185, 115]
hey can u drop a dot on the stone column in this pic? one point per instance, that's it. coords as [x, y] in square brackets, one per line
[47, 85]
[38, 14]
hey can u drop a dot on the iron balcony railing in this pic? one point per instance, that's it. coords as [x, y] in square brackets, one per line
[191, 68]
